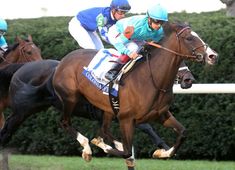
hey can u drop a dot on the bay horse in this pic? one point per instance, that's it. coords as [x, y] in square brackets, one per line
[31, 91]
[21, 52]
[147, 91]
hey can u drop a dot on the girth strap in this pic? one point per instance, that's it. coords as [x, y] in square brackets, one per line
[114, 100]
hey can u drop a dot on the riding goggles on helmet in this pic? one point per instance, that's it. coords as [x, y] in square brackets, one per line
[156, 21]
[2, 32]
[121, 12]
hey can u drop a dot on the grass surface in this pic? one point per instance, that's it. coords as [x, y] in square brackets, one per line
[25, 162]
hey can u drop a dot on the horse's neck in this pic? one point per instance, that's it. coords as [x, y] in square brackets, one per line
[165, 65]
[11, 57]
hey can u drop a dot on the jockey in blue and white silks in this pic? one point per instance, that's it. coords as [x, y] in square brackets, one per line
[84, 26]
[3, 30]
[129, 33]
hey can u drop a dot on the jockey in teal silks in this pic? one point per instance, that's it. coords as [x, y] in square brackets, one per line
[3, 30]
[84, 26]
[128, 34]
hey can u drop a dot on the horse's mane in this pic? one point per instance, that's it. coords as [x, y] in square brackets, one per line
[169, 27]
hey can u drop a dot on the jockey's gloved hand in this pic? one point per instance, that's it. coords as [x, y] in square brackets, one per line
[133, 55]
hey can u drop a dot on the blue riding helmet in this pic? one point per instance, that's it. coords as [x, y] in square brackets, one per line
[122, 5]
[3, 25]
[157, 12]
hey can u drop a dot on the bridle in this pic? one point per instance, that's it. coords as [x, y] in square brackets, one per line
[194, 56]
[22, 53]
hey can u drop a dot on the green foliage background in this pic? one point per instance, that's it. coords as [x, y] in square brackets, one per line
[209, 118]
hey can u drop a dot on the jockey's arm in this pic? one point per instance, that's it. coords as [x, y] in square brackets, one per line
[103, 30]
[3, 44]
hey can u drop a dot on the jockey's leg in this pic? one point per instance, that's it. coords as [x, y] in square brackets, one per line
[122, 59]
[110, 75]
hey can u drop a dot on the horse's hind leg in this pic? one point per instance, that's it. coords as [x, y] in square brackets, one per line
[2, 117]
[11, 125]
[66, 124]
[168, 120]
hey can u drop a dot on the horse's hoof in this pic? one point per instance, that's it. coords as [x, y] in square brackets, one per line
[130, 163]
[95, 141]
[160, 153]
[86, 157]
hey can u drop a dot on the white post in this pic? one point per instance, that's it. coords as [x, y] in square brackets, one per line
[205, 88]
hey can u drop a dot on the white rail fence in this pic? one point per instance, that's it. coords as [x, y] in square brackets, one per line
[205, 89]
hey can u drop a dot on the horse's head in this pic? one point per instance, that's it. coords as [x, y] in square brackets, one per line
[22, 51]
[191, 45]
[28, 50]
[185, 78]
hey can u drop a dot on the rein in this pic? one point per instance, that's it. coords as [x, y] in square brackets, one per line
[193, 56]
[171, 51]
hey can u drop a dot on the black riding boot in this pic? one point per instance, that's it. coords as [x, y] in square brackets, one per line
[110, 75]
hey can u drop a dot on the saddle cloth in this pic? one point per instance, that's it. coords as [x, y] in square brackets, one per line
[98, 67]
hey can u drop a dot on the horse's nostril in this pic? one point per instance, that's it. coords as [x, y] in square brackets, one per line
[212, 56]
[188, 81]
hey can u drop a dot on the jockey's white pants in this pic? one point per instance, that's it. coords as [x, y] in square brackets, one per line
[85, 39]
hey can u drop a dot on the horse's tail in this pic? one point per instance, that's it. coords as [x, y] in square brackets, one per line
[6, 75]
[47, 89]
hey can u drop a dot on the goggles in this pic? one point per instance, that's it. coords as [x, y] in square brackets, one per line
[158, 22]
[2, 32]
[121, 12]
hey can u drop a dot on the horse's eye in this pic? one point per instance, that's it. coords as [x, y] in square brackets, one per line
[189, 38]
[29, 52]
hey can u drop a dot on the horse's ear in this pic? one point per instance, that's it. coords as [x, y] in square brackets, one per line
[18, 39]
[186, 23]
[30, 38]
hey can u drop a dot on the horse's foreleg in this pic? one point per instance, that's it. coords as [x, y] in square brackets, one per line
[127, 131]
[66, 124]
[171, 122]
[105, 134]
